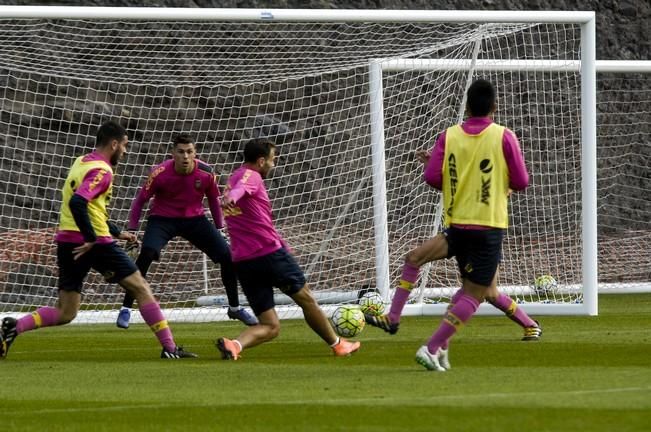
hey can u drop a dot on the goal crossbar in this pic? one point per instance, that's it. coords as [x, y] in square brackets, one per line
[294, 15]
[612, 66]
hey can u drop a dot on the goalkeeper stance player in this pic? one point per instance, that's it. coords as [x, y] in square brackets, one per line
[476, 165]
[85, 240]
[263, 260]
[178, 187]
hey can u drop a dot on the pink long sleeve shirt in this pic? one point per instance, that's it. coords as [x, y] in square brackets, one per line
[178, 195]
[250, 221]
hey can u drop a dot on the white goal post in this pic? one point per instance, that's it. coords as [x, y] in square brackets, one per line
[348, 94]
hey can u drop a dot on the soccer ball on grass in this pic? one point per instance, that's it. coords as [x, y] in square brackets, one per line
[371, 303]
[545, 284]
[348, 321]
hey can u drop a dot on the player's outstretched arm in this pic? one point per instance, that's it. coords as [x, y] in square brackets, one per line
[214, 204]
[433, 174]
[142, 198]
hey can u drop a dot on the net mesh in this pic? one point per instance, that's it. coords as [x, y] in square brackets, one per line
[624, 181]
[306, 86]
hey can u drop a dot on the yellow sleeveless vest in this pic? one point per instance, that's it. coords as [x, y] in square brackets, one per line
[96, 207]
[475, 178]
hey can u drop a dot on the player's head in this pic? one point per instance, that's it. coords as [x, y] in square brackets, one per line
[481, 98]
[184, 153]
[112, 140]
[260, 154]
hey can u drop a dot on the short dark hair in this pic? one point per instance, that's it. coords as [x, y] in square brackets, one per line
[182, 139]
[257, 148]
[108, 132]
[481, 98]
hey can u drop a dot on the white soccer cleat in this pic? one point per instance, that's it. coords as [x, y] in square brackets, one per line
[444, 360]
[429, 361]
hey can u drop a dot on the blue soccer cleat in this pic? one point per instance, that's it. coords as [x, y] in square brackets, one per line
[242, 315]
[123, 318]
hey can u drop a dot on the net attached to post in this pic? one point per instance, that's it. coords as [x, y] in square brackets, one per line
[306, 86]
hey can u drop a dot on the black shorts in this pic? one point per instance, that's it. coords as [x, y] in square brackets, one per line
[110, 260]
[478, 252]
[197, 230]
[258, 277]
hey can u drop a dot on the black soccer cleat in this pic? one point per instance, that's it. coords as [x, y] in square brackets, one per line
[533, 333]
[382, 322]
[178, 353]
[8, 334]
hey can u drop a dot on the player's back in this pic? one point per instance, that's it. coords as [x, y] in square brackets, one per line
[475, 177]
[250, 221]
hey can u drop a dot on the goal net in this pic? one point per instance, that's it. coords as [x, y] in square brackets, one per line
[308, 86]
[624, 180]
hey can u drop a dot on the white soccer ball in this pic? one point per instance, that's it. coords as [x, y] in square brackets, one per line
[545, 284]
[348, 321]
[372, 303]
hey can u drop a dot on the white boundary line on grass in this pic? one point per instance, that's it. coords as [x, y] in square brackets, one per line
[421, 401]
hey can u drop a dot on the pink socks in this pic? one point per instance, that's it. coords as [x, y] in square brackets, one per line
[407, 281]
[460, 313]
[154, 318]
[46, 316]
[507, 305]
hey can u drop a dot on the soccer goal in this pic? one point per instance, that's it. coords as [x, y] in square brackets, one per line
[348, 96]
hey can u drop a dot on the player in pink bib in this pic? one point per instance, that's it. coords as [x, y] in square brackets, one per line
[263, 260]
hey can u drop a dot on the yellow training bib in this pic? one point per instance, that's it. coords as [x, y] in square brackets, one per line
[475, 178]
[96, 207]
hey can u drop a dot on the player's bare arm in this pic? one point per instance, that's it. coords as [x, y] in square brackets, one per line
[227, 202]
[423, 156]
[81, 250]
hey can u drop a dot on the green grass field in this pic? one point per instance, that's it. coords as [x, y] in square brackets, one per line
[587, 374]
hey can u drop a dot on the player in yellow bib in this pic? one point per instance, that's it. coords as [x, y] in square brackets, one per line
[85, 240]
[476, 165]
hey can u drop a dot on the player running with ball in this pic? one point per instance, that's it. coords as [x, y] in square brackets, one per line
[263, 260]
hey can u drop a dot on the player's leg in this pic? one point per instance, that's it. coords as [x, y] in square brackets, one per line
[478, 254]
[113, 262]
[255, 278]
[289, 278]
[434, 355]
[204, 236]
[433, 249]
[71, 277]
[153, 316]
[318, 322]
[158, 233]
[532, 329]
[65, 311]
[268, 328]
